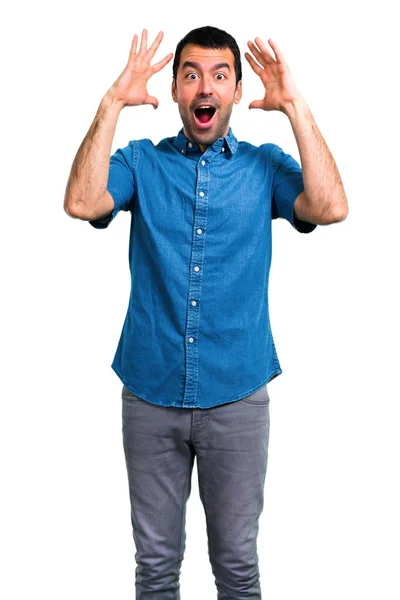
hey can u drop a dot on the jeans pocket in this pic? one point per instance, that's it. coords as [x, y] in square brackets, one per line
[260, 397]
[128, 396]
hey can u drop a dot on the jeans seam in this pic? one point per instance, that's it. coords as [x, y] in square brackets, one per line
[182, 524]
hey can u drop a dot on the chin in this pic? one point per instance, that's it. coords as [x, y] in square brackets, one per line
[207, 138]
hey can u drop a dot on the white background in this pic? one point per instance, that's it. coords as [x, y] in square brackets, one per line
[330, 527]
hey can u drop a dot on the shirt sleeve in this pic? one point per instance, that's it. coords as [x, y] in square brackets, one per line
[286, 186]
[120, 183]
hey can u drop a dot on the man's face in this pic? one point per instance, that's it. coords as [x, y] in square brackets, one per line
[205, 90]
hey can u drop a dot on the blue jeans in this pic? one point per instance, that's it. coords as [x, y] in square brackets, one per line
[230, 442]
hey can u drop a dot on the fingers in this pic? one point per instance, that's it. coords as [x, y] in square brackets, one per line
[263, 54]
[161, 64]
[264, 51]
[278, 53]
[255, 66]
[257, 104]
[148, 54]
[152, 100]
[143, 42]
[132, 53]
[133, 46]
[153, 48]
[263, 59]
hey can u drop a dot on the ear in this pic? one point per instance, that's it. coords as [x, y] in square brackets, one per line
[174, 91]
[238, 92]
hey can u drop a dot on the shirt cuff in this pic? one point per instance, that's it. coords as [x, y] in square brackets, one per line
[104, 222]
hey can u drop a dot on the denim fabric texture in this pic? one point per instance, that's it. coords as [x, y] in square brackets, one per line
[230, 444]
[197, 332]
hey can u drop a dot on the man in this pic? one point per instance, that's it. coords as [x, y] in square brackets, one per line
[196, 351]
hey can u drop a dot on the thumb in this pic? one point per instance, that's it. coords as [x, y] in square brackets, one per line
[257, 104]
[152, 100]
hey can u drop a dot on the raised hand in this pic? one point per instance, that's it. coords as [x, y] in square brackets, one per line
[131, 86]
[280, 89]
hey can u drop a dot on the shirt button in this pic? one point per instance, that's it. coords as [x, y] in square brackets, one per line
[191, 340]
[197, 268]
[194, 302]
[203, 162]
[190, 145]
[201, 194]
[199, 231]
[183, 152]
[223, 150]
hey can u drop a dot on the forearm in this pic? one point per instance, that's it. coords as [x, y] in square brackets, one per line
[89, 173]
[322, 182]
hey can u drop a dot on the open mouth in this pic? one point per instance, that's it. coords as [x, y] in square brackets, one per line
[204, 115]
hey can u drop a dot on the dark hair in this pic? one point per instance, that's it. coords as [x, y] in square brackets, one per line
[209, 37]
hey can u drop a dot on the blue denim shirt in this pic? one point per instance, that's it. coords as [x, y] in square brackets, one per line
[197, 330]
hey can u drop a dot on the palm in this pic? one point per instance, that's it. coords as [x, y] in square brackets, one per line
[280, 88]
[131, 86]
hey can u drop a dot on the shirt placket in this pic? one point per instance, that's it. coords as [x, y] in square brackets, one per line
[195, 280]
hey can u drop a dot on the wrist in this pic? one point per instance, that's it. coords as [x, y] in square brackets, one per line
[296, 108]
[110, 102]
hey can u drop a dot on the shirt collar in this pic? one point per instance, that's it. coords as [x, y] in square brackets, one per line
[185, 146]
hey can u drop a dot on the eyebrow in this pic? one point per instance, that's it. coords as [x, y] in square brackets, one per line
[196, 65]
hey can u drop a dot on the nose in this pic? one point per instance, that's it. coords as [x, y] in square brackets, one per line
[205, 88]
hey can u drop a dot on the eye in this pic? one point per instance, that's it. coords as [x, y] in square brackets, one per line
[220, 76]
[191, 76]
